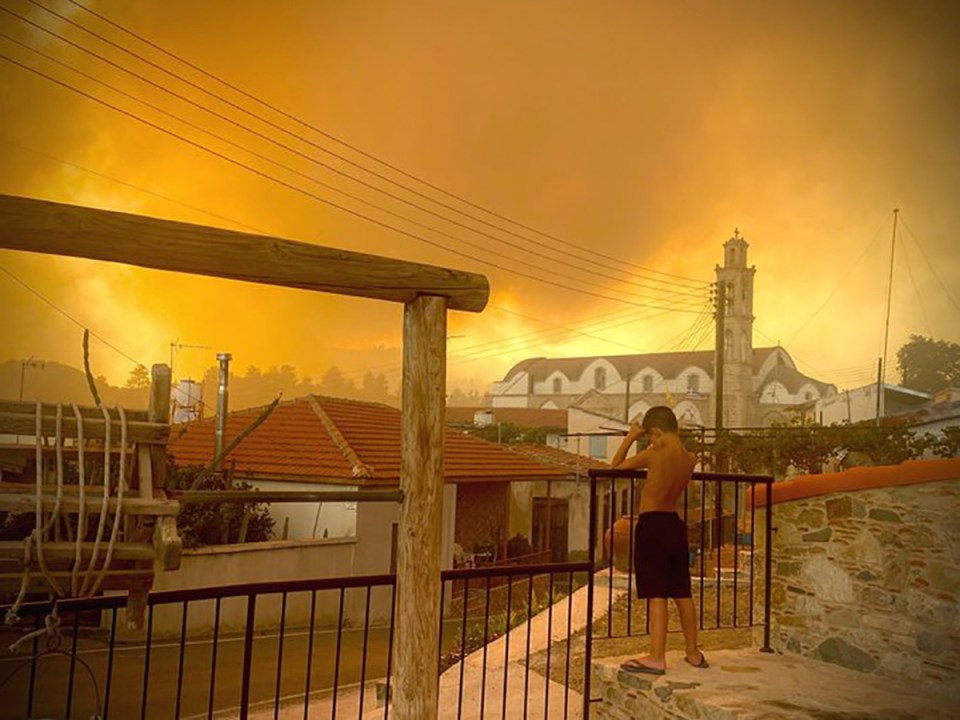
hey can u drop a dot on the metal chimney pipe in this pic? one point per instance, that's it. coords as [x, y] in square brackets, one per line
[222, 395]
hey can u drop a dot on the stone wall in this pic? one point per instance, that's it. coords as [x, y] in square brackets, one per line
[870, 580]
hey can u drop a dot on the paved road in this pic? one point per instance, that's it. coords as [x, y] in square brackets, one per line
[126, 684]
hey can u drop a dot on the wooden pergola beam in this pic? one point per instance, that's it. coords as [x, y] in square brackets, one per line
[59, 229]
[426, 291]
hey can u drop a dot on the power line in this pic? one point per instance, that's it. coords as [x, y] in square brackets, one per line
[563, 331]
[293, 171]
[305, 156]
[674, 303]
[485, 351]
[930, 265]
[68, 316]
[321, 132]
[491, 348]
[319, 198]
[839, 285]
[916, 291]
[678, 303]
[126, 184]
[601, 322]
[569, 329]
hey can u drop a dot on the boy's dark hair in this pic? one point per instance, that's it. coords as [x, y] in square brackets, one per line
[660, 417]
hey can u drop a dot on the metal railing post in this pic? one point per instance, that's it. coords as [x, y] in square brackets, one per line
[247, 655]
[588, 639]
[768, 564]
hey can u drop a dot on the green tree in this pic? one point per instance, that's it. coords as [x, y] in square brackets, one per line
[947, 443]
[375, 387]
[508, 432]
[220, 524]
[929, 365]
[335, 384]
[139, 378]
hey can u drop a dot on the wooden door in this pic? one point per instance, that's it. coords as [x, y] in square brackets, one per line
[551, 534]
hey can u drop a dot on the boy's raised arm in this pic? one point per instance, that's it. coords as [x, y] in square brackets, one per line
[640, 460]
[619, 458]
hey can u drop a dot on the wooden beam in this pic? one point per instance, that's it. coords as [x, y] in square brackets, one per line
[66, 551]
[24, 500]
[216, 497]
[59, 229]
[167, 543]
[114, 580]
[417, 620]
[29, 407]
[139, 432]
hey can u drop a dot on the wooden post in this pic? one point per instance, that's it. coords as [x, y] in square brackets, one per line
[421, 514]
[152, 466]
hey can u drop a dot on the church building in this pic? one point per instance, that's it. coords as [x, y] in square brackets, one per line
[759, 384]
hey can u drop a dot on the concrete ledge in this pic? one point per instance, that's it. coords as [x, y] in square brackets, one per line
[750, 685]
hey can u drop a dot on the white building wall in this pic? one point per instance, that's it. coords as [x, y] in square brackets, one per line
[688, 414]
[512, 392]
[613, 380]
[336, 519]
[517, 401]
[850, 406]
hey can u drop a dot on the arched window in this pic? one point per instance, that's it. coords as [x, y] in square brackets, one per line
[557, 386]
[728, 344]
[693, 383]
[648, 383]
[600, 378]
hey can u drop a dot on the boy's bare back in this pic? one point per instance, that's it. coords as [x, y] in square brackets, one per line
[669, 468]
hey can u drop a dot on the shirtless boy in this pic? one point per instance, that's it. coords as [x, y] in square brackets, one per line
[661, 556]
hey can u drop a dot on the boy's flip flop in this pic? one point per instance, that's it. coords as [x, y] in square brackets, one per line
[703, 664]
[635, 666]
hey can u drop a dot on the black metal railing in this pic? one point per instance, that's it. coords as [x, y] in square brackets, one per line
[720, 516]
[500, 605]
[329, 641]
[224, 663]
[201, 652]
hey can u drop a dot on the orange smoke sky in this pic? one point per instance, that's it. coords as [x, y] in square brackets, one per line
[639, 131]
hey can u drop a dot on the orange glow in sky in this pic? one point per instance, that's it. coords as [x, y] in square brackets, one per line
[627, 133]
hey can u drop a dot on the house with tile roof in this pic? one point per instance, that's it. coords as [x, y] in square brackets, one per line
[760, 384]
[338, 444]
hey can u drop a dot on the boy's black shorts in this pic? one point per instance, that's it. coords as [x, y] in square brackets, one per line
[661, 557]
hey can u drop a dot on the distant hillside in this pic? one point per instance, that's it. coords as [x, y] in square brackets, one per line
[55, 382]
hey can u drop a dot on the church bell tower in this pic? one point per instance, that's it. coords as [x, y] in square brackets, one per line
[738, 395]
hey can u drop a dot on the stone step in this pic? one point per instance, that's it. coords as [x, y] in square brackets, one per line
[750, 685]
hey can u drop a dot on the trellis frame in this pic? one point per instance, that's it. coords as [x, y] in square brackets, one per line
[426, 291]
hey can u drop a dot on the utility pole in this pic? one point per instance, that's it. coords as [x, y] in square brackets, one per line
[626, 399]
[24, 364]
[720, 345]
[881, 409]
[880, 392]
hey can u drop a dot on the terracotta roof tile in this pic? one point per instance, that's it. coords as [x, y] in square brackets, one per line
[555, 456]
[293, 444]
[521, 417]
